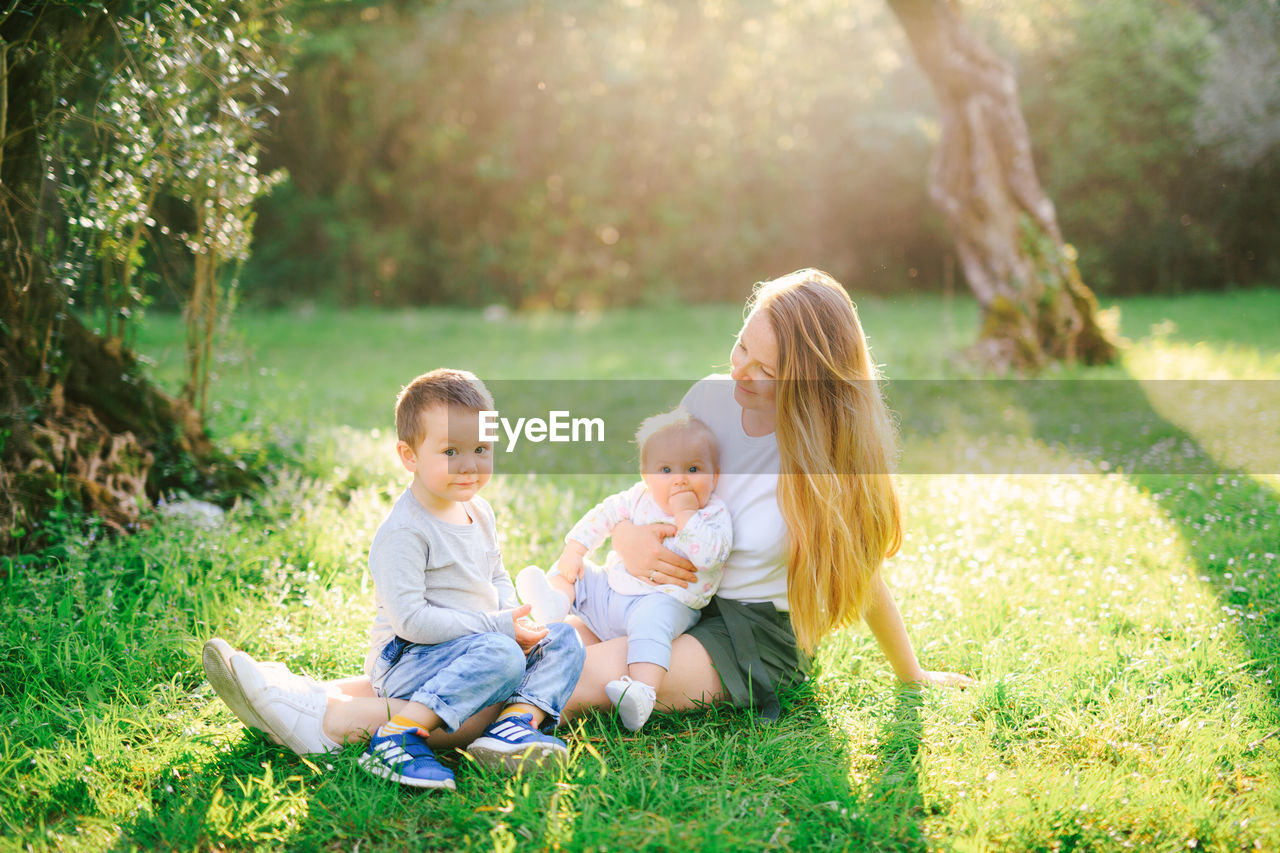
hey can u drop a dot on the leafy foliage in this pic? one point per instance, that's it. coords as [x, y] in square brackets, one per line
[160, 144]
[1239, 106]
[128, 153]
[1113, 131]
[581, 154]
[576, 154]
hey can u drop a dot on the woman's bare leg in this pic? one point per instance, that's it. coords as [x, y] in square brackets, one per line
[605, 661]
[691, 681]
[584, 633]
[349, 719]
[357, 686]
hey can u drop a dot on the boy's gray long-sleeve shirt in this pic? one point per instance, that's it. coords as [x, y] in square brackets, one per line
[435, 581]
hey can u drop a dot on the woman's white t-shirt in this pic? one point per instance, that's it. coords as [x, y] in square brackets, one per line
[757, 566]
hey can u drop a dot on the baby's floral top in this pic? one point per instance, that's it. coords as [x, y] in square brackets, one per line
[705, 541]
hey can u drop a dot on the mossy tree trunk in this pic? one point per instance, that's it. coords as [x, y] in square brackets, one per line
[1036, 307]
[80, 426]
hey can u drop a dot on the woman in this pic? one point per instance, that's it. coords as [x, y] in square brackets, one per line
[806, 446]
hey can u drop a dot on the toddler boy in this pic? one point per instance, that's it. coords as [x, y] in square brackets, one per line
[449, 635]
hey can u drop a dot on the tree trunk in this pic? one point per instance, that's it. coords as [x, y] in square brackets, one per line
[81, 429]
[80, 426]
[1036, 308]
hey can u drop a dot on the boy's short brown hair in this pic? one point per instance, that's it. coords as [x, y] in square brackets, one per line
[442, 385]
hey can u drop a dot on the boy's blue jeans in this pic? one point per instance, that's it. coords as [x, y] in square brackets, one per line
[457, 678]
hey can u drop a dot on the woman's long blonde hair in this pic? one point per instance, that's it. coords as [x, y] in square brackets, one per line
[838, 445]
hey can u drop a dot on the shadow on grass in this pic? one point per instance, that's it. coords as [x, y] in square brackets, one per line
[720, 779]
[256, 795]
[1228, 519]
[893, 792]
[885, 812]
[247, 795]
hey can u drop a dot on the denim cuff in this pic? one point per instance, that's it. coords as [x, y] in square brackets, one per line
[553, 716]
[449, 718]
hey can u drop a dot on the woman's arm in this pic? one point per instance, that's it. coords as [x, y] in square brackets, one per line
[882, 617]
[642, 552]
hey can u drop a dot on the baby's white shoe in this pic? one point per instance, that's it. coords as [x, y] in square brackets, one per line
[634, 701]
[549, 603]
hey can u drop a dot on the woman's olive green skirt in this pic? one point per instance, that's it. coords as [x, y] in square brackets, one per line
[754, 650]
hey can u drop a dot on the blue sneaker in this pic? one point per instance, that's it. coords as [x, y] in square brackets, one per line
[404, 757]
[513, 741]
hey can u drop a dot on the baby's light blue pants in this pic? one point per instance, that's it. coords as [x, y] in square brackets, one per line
[649, 622]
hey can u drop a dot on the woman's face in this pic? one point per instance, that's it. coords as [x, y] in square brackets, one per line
[754, 363]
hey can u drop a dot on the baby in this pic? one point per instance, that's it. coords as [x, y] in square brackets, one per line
[679, 470]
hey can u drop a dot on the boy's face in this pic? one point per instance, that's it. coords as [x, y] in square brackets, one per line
[679, 460]
[450, 464]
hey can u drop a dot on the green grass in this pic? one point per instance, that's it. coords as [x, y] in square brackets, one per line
[1123, 627]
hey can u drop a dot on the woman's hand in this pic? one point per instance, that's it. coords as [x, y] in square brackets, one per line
[640, 547]
[945, 679]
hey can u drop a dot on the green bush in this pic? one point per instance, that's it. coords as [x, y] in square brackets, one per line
[1110, 94]
[573, 154]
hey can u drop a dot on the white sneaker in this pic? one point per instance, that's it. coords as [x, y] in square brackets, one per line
[294, 713]
[217, 668]
[549, 603]
[634, 701]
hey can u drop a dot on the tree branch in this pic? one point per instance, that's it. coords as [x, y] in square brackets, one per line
[4, 93]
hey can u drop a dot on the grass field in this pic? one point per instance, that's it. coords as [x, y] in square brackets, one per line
[1124, 627]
